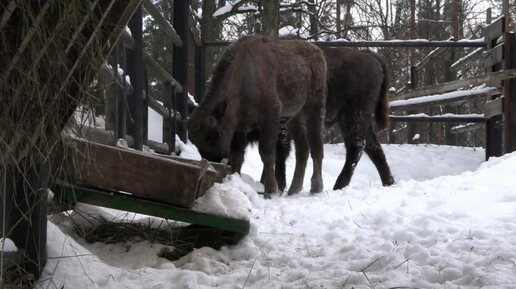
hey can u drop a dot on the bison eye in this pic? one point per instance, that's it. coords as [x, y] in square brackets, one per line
[212, 137]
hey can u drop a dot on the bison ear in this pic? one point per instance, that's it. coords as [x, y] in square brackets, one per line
[219, 110]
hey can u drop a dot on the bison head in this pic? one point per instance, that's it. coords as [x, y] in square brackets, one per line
[208, 132]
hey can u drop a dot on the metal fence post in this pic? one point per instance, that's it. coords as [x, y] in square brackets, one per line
[200, 71]
[120, 97]
[180, 62]
[169, 122]
[138, 100]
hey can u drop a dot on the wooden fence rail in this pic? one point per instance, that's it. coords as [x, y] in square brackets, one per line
[443, 99]
[385, 43]
[454, 85]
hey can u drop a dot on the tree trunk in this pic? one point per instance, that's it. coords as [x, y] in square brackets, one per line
[313, 19]
[337, 19]
[211, 29]
[270, 18]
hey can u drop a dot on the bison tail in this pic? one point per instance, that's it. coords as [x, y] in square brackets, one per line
[381, 113]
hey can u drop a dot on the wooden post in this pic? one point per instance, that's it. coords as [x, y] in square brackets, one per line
[200, 71]
[180, 63]
[494, 130]
[169, 122]
[411, 126]
[120, 97]
[509, 92]
[137, 115]
[413, 33]
[25, 220]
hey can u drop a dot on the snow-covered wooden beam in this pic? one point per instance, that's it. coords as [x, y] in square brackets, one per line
[457, 84]
[441, 99]
[387, 43]
[449, 117]
[162, 72]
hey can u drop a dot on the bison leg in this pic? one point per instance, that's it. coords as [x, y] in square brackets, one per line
[297, 129]
[267, 149]
[282, 153]
[315, 128]
[237, 151]
[354, 139]
[375, 153]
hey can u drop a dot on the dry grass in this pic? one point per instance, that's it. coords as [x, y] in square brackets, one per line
[40, 87]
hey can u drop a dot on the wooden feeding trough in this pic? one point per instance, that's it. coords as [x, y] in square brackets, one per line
[144, 175]
[140, 182]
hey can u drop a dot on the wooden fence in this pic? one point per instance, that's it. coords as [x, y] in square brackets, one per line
[496, 51]
[127, 94]
[498, 93]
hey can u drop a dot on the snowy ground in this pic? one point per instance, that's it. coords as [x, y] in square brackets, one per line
[448, 222]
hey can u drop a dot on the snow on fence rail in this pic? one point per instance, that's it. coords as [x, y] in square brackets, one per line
[457, 84]
[442, 99]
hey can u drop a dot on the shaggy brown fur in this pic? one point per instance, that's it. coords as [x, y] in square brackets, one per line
[257, 84]
[356, 101]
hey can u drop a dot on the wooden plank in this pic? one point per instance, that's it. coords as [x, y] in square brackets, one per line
[126, 202]
[446, 98]
[459, 64]
[160, 109]
[107, 137]
[141, 174]
[162, 72]
[493, 62]
[493, 108]
[383, 43]
[494, 30]
[223, 168]
[453, 85]
[493, 56]
[469, 127]
[430, 56]
[432, 118]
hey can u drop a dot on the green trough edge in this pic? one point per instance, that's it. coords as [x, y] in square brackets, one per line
[126, 202]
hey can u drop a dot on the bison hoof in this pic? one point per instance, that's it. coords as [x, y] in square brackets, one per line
[294, 190]
[291, 193]
[388, 182]
[267, 196]
[316, 188]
